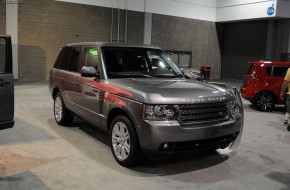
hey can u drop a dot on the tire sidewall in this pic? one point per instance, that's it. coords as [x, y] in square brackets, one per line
[134, 153]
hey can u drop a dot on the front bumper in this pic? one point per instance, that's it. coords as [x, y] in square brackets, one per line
[154, 134]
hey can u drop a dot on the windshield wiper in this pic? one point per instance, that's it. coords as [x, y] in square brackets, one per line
[143, 75]
[129, 75]
[168, 76]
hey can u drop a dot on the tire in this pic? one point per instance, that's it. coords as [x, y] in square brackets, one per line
[124, 142]
[264, 101]
[61, 114]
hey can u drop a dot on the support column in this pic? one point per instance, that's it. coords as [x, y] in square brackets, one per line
[147, 28]
[12, 30]
[269, 41]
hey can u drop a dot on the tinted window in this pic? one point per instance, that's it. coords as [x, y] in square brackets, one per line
[279, 71]
[62, 59]
[268, 70]
[90, 57]
[74, 59]
[2, 52]
[250, 69]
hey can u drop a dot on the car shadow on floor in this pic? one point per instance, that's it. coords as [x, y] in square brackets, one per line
[278, 109]
[160, 165]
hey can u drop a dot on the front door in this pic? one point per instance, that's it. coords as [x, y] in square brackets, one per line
[6, 83]
[89, 89]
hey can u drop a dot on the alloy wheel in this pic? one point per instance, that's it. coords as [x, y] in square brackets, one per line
[58, 109]
[121, 141]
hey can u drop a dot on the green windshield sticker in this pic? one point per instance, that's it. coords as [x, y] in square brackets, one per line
[93, 52]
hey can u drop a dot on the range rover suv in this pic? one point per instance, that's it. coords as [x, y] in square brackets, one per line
[144, 107]
[6, 83]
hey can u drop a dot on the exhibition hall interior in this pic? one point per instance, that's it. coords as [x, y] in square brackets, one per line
[144, 94]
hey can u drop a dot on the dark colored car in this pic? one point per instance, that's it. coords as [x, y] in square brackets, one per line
[263, 82]
[140, 97]
[6, 83]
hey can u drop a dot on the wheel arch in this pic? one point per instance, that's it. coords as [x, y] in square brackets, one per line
[269, 92]
[118, 111]
[54, 92]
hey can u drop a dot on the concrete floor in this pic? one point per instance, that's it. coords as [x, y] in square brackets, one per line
[39, 154]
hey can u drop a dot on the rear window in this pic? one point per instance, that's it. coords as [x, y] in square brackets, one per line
[250, 69]
[62, 59]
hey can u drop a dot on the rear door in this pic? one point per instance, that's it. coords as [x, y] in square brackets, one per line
[276, 79]
[6, 83]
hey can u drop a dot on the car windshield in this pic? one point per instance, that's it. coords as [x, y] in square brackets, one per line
[126, 62]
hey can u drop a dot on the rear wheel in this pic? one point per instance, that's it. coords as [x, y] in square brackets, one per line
[264, 101]
[124, 142]
[61, 114]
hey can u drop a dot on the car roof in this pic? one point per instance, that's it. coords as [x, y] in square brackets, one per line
[271, 63]
[113, 44]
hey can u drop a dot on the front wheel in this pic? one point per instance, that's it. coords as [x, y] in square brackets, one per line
[124, 142]
[264, 101]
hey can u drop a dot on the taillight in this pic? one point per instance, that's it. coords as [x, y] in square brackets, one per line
[253, 73]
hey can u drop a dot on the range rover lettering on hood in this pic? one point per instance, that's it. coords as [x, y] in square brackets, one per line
[194, 100]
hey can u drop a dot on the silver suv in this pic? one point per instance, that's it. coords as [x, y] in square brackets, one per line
[145, 105]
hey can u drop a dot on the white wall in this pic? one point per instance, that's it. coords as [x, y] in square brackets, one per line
[209, 10]
[198, 9]
[233, 10]
[195, 9]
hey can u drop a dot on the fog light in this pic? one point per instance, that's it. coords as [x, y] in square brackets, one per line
[166, 146]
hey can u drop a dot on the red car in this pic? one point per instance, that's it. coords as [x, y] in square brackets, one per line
[263, 82]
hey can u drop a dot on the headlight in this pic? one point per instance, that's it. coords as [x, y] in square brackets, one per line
[159, 112]
[233, 106]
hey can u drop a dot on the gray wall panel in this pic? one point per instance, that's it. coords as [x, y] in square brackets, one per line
[243, 42]
[199, 37]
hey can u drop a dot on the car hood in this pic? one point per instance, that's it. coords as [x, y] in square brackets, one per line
[166, 91]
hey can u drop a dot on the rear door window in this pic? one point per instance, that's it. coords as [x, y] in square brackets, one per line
[268, 70]
[279, 71]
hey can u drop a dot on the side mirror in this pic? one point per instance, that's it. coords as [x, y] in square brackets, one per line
[88, 72]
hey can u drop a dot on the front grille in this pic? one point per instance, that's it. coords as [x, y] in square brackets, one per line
[204, 111]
